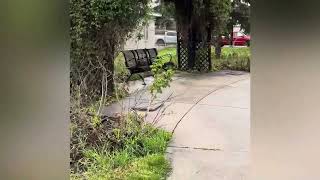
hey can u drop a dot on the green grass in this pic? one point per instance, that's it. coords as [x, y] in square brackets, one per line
[232, 59]
[172, 51]
[140, 154]
[233, 53]
[150, 167]
[121, 72]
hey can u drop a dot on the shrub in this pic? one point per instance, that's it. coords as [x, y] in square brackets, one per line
[172, 51]
[162, 77]
[98, 28]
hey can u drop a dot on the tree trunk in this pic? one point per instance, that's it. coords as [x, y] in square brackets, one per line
[218, 51]
[194, 49]
[218, 47]
[191, 50]
[110, 79]
[231, 36]
[109, 65]
[110, 71]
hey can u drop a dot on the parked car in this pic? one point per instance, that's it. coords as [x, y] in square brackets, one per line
[243, 40]
[169, 37]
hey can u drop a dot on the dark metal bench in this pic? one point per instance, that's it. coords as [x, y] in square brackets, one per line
[139, 61]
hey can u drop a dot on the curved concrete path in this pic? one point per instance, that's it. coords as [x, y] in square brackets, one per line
[209, 114]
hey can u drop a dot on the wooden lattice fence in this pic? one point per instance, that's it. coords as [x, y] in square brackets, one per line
[193, 56]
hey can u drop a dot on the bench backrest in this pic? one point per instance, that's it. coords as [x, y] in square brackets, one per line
[142, 58]
[152, 53]
[130, 59]
[139, 58]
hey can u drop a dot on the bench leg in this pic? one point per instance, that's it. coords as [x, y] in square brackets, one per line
[144, 83]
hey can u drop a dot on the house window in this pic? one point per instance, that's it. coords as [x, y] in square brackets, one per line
[171, 34]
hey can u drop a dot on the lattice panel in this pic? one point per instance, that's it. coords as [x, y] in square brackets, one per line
[202, 59]
[183, 56]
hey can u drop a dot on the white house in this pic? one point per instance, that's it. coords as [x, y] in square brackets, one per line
[148, 39]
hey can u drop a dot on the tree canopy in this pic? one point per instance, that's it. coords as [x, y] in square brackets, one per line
[221, 13]
[197, 22]
[98, 29]
[216, 12]
[167, 11]
[240, 14]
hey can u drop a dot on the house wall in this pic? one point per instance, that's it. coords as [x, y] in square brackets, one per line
[147, 41]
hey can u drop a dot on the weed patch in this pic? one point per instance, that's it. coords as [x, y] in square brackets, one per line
[132, 149]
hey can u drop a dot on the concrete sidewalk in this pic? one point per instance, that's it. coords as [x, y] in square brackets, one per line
[209, 115]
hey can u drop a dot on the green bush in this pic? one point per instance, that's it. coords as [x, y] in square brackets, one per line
[172, 51]
[162, 77]
[98, 28]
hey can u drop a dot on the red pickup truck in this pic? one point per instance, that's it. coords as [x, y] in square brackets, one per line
[243, 40]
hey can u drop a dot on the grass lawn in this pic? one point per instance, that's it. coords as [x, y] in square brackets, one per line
[172, 51]
[236, 58]
[231, 58]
